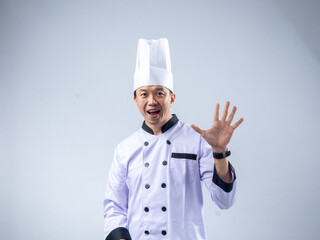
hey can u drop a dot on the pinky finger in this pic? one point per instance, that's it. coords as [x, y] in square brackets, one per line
[234, 126]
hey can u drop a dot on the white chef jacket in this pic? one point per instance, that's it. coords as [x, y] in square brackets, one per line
[154, 185]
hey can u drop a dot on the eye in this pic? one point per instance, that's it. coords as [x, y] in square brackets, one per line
[160, 93]
[143, 94]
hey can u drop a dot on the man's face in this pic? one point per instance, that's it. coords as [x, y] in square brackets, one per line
[154, 104]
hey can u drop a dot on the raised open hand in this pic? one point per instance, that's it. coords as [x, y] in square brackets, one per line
[219, 135]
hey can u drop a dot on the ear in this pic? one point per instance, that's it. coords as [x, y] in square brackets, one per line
[172, 99]
[135, 99]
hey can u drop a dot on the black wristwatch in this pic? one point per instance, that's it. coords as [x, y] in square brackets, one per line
[222, 155]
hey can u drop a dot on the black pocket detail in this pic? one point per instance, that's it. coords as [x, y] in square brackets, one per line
[184, 156]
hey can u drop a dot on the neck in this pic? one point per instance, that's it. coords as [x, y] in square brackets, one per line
[156, 131]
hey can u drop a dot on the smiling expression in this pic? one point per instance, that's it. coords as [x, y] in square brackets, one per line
[154, 103]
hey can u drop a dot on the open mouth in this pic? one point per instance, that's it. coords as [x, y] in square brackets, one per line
[153, 113]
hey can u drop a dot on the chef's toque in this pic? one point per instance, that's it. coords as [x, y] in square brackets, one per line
[153, 66]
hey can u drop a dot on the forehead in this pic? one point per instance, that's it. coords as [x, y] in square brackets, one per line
[152, 88]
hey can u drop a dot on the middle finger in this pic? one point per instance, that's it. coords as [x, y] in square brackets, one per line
[225, 112]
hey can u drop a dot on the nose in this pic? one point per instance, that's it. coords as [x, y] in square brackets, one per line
[152, 100]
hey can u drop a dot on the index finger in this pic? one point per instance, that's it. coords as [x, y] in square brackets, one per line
[216, 113]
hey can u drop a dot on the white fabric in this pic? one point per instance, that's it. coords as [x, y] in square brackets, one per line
[126, 195]
[153, 65]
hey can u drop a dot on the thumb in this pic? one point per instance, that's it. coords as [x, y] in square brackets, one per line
[197, 129]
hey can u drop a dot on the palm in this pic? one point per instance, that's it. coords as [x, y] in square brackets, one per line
[219, 135]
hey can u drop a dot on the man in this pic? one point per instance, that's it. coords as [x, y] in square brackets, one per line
[154, 185]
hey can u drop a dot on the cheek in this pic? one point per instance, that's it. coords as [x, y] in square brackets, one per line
[167, 104]
[142, 105]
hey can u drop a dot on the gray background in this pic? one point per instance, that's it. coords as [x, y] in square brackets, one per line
[66, 78]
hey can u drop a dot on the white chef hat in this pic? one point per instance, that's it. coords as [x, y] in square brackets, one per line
[153, 66]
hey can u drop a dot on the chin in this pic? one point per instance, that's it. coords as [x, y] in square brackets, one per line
[153, 122]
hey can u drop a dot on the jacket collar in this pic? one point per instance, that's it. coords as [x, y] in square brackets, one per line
[165, 127]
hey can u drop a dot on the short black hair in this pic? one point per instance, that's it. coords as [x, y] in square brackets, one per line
[135, 92]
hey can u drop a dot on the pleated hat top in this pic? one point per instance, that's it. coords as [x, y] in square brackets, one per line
[153, 66]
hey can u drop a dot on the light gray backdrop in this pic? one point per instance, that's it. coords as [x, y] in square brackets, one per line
[66, 70]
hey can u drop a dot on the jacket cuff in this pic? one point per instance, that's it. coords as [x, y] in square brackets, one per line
[119, 233]
[227, 187]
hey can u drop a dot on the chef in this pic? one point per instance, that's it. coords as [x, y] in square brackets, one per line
[154, 185]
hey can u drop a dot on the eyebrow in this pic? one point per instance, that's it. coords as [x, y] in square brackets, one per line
[160, 88]
[157, 89]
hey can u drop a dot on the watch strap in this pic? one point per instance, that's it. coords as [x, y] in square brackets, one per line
[222, 155]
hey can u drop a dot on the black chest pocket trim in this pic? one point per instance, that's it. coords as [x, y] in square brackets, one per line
[184, 156]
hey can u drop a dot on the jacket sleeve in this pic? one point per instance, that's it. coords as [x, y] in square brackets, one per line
[222, 193]
[116, 202]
